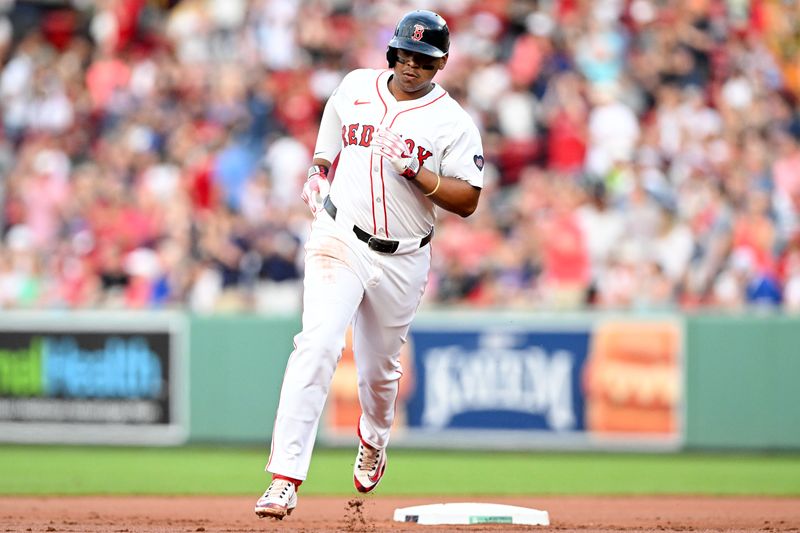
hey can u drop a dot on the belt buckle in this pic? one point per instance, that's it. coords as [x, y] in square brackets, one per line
[383, 246]
[375, 243]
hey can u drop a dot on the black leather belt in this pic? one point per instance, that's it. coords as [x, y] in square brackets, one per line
[384, 246]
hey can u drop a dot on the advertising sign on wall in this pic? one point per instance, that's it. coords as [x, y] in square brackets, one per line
[498, 380]
[586, 383]
[92, 378]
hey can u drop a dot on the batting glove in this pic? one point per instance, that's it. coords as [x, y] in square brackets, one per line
[393, 148]
[316, 188]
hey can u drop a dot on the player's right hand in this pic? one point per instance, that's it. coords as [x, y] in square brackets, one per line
[316, 188]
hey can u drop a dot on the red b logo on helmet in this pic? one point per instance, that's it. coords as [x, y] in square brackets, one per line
[418, 29]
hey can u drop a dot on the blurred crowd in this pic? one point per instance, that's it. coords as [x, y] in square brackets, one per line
[641, 154]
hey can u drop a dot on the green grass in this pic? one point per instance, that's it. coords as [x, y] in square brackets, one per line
[198, 470]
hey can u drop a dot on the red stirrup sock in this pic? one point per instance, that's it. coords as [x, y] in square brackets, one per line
[296, 482]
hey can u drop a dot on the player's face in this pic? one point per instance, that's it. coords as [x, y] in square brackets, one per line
[413, 71]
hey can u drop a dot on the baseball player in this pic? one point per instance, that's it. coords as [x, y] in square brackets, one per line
[400, 146]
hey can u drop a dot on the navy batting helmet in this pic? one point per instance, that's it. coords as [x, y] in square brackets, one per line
[420, 31]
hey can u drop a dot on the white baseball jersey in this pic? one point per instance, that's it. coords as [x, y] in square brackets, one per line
[348, 282]
[437, 131]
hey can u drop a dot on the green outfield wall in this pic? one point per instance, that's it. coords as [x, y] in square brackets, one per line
[236, 366]
[743, 382]
[490, 380]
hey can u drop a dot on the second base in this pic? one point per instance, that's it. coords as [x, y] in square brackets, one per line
[471, 513]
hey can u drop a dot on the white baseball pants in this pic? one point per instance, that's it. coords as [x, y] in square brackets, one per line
[345, 281]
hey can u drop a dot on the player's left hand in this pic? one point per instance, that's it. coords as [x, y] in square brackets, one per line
[393, 148]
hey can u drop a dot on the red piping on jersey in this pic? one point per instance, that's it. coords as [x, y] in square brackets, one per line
[334, 165]
[385, 216]
[378, 90]
[418, 107]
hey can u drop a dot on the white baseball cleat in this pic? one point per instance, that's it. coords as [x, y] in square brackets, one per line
[278, 501]
[369, 467]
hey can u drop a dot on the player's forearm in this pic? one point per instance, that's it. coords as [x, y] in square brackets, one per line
[454, 195]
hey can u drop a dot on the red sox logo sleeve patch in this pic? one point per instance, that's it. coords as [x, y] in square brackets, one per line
[478, 161]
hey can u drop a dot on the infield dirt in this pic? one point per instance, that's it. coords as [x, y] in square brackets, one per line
[374, 514]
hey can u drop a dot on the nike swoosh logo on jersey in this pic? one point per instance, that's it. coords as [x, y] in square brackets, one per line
[361, 102]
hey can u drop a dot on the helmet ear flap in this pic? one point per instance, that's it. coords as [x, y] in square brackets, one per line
[391, 56]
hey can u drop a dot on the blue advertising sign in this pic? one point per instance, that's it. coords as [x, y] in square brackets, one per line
[499, 380]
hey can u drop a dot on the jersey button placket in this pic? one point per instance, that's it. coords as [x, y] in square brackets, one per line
[377, 199]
